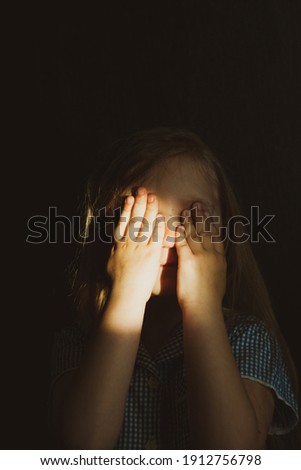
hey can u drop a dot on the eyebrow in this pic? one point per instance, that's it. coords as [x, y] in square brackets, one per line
[191, 200]
[196, 198]
[184, 202]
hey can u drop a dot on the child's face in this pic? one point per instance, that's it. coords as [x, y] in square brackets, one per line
[178, 183]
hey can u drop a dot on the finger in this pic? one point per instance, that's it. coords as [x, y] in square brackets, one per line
[159, 230]
[151, 212]
[124, 219]
[197, 214]
[212, 226]
[205, 231]
[192, 238]
[203, 222]
[137, 216]
[181, 243]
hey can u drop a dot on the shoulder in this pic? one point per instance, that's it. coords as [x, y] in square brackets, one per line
[263, 367]
[248, 331]
[68, 345]
[73, 331]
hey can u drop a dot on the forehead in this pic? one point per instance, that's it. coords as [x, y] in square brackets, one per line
[183, 179]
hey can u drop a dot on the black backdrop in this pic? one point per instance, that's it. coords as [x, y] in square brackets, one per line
[230, 70]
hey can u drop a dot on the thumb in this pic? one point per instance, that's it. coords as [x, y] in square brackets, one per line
[182, 246]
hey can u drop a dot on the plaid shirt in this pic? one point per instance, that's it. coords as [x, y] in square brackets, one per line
[156, 413]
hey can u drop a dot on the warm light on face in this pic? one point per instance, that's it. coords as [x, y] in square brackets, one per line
[178, 183]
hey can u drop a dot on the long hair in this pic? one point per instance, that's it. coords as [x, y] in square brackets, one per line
[127, 164]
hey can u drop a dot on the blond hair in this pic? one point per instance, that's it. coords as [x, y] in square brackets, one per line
[128, 163]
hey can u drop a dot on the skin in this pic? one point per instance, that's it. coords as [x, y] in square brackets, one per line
[149, 299]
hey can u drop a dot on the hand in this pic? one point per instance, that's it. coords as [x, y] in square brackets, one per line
[201, 262]
[135, 262]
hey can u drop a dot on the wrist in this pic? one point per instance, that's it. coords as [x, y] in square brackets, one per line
[122, 295]
[201, 306]
[123, 314]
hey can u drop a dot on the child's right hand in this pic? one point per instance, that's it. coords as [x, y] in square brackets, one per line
[134, 264]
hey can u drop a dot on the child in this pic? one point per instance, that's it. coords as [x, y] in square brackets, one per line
[175, 345]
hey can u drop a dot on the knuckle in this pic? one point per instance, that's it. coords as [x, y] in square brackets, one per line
[141, 201]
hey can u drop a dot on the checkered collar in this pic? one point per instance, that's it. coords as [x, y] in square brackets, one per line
[170, 351]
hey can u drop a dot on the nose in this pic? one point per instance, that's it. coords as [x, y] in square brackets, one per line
[170, 231]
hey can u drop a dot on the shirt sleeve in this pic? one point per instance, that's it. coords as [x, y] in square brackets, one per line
[67, 349]
[259, 357]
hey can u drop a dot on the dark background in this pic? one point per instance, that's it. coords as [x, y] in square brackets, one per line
[230, 70]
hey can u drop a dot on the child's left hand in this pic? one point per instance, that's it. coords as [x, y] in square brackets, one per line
[202, 264]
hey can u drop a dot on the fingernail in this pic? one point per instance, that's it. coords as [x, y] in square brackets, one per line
[150, 198]
[141, 191]
[198, 205]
